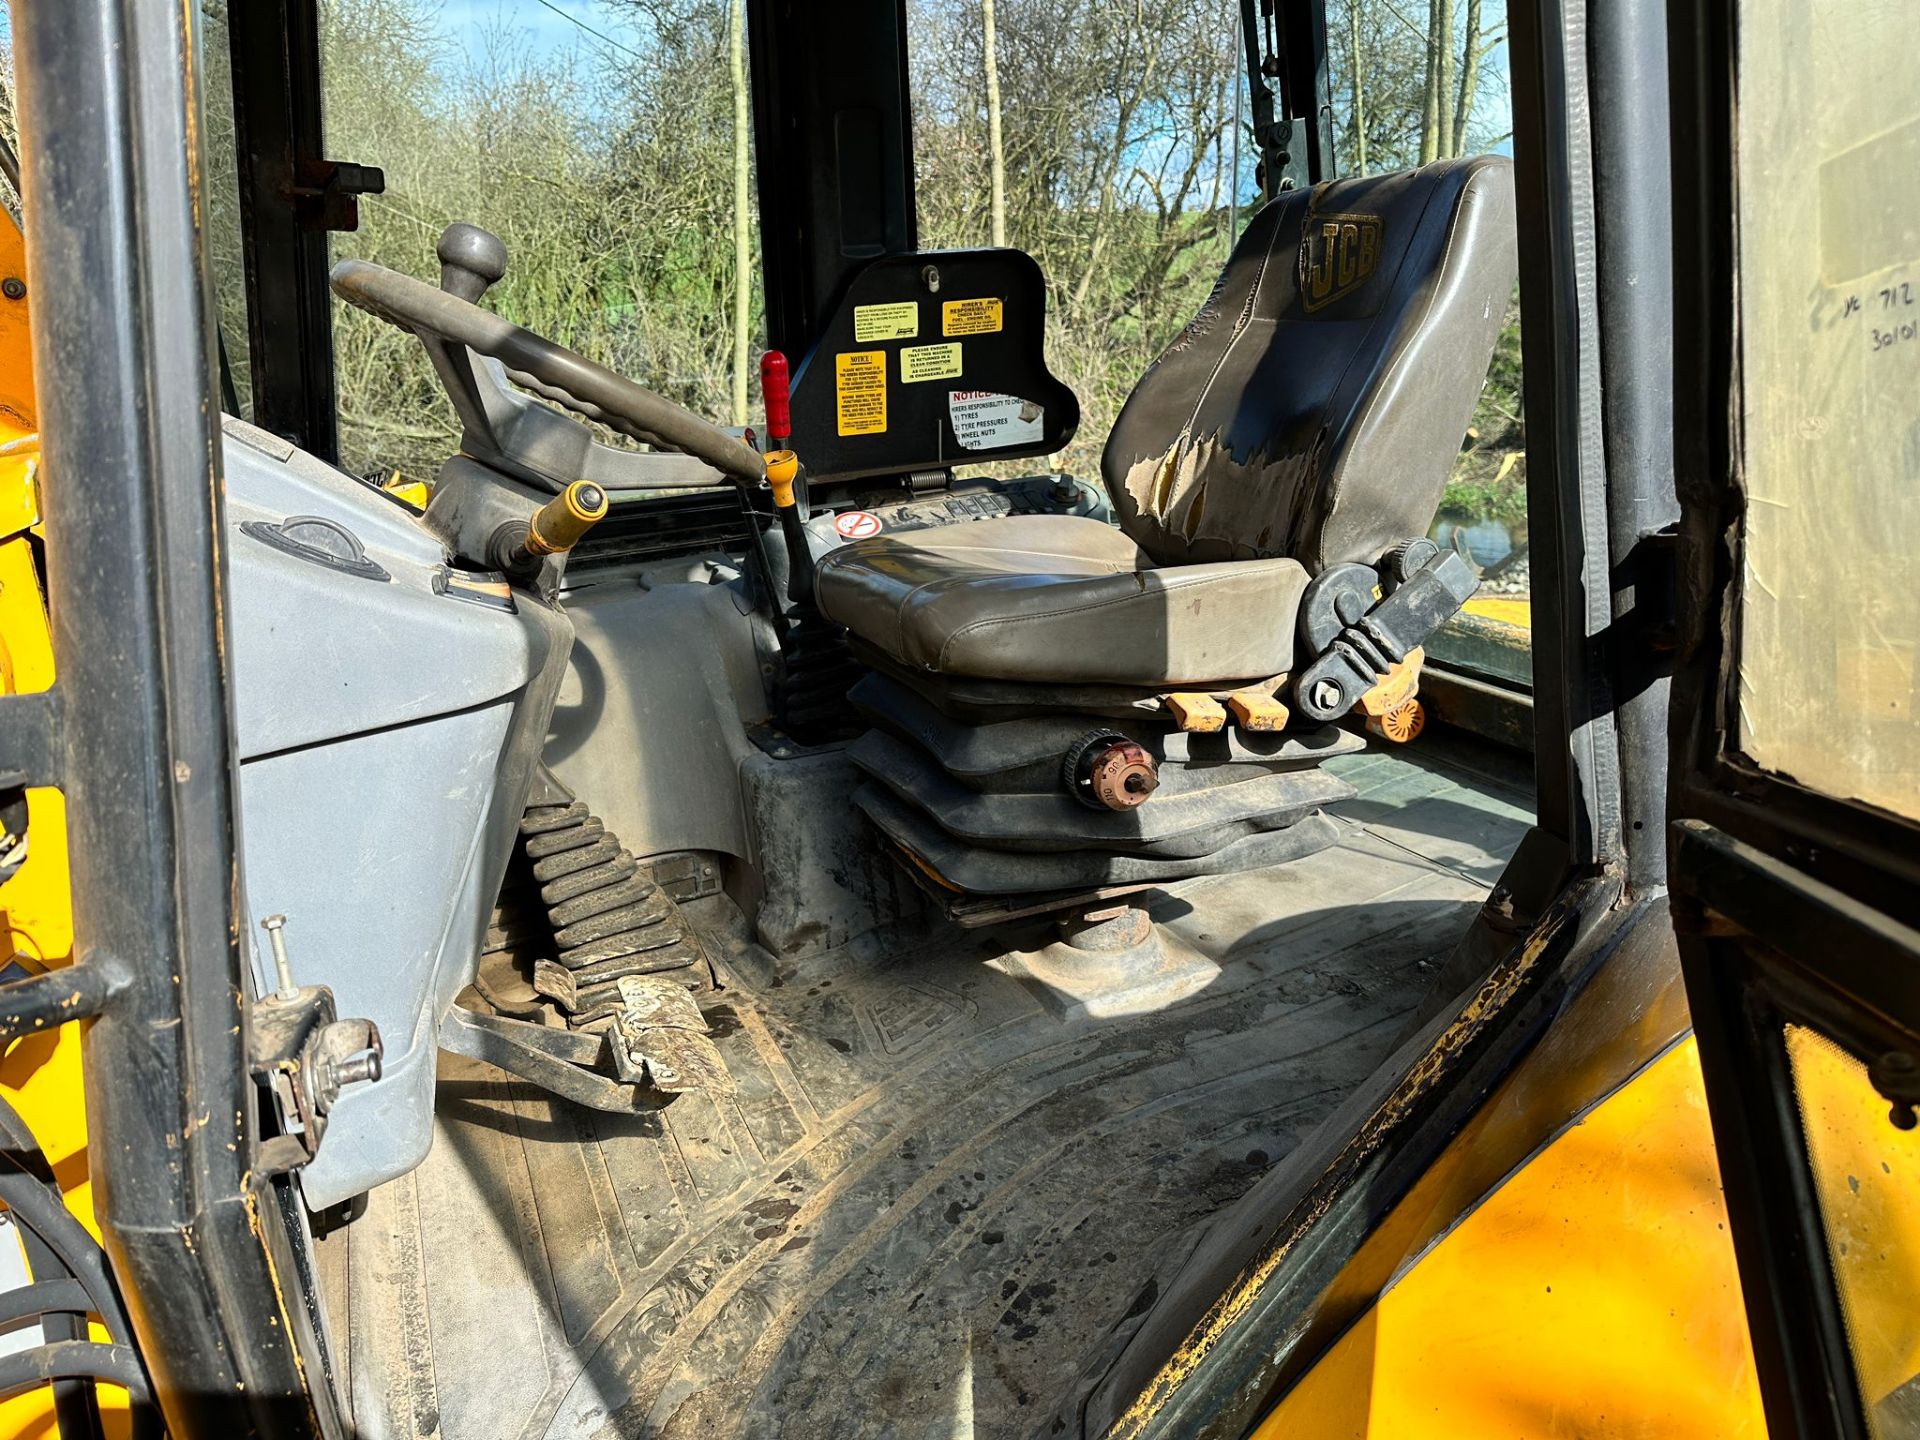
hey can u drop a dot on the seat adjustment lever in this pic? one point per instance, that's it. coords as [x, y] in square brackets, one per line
[1367, 648]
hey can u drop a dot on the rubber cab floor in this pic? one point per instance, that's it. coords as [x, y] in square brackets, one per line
[942, 1179]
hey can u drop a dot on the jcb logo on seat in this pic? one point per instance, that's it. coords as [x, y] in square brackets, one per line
[1337, 254]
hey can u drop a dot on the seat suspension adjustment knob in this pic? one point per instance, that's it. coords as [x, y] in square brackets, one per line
[1105, 771]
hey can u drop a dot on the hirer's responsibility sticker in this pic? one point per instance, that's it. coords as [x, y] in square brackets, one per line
[929, 362]
[860, 387]
[971, 317]
[986, 420]
[857, 524]
[899, 321]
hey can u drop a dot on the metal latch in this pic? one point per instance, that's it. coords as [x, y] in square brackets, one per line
[324, 191]
[305, 1056]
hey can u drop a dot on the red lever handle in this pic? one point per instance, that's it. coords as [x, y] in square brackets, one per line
[774, 390]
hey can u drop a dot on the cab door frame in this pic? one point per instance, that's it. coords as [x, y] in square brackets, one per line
[1792, 906]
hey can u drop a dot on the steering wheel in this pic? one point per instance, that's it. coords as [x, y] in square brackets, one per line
[449, 323]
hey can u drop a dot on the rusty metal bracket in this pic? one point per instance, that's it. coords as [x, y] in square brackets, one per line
[305, 1056]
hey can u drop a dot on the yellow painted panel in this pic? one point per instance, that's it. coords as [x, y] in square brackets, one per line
[17, 410]
[1594, 1294]
[39, 1074]
[1504, 608]
[1867, 1175]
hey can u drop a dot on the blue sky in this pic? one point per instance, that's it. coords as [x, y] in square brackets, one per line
[554, 27]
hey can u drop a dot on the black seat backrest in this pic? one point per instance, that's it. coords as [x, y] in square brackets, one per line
[1315, 405]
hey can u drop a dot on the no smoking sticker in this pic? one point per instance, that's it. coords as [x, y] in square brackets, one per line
[857, 524]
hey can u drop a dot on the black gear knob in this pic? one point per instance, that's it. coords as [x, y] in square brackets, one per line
[471, 259]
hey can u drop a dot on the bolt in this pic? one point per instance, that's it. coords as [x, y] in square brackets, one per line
[13, 288]
[358, 1068]
[930, 276]
[275, 926]
[1326, 696]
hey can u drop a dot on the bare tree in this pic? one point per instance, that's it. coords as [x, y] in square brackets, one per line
[1357, 74]
[1472, 50]
[996, 150]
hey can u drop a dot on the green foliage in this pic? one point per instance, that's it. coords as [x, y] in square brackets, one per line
[1489, 480]
[608, 172]
[609, 182]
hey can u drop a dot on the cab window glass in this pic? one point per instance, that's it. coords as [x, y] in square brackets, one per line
[1867, 1176]
[1414, 82]
[1116, 146]
[596, 138]
[221, 174]
[9, 126]
[1828, 145]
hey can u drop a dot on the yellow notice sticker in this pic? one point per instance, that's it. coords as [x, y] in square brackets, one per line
[971, 317]
[860, 385]
[929, 362]
[887, 322]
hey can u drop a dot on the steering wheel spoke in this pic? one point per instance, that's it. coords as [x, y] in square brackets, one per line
[536, 364]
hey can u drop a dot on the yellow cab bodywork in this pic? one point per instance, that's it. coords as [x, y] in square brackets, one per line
[39, 1073]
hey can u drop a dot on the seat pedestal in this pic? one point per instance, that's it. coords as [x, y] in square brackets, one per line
[1112, 960]
[985, 811]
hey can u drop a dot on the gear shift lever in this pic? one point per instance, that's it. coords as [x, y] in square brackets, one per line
[471, 259]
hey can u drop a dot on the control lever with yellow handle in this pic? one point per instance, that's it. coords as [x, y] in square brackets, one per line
[556, 527]
[783, 474]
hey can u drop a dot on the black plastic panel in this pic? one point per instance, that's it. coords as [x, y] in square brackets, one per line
[980, 333]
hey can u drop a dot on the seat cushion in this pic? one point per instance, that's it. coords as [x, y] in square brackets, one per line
[1063, 599]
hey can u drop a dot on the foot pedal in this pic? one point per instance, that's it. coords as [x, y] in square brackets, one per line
[660, 1038]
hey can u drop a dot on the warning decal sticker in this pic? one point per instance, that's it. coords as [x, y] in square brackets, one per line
[929, 362]
[887, 322]
[860, 387]
[857, 524]
[984, 420]
[971, 317]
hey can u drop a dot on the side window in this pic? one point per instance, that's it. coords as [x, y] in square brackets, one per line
[1112, 130]
[1866, 1175]
[224, 242]
[598, 141]
[1415, 81]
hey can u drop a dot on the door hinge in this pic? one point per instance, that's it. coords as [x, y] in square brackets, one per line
[324, 192]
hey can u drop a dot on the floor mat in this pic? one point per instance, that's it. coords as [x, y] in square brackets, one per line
[937, 1186]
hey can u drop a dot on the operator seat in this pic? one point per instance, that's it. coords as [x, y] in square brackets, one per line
[1274, 475]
